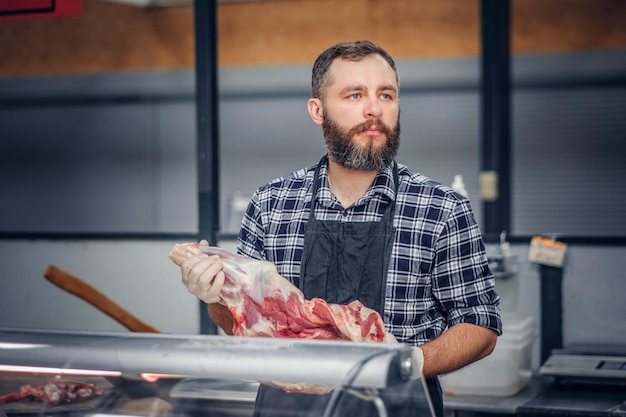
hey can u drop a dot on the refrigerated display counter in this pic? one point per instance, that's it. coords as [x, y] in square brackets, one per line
[47, 372]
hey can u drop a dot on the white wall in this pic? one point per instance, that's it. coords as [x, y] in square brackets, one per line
[135, 274]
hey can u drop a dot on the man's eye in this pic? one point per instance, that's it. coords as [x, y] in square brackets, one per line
[386, 96]
[355, 96]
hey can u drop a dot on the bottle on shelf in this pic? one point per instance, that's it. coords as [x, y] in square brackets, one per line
[458, 185]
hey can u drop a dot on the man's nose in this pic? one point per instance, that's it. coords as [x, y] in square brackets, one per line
[372, 108]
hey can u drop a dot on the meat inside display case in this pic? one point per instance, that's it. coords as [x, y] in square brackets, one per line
[46, 372]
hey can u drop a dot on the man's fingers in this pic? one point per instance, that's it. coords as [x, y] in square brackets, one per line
[203, 277]
[200, 269]
[213, 294]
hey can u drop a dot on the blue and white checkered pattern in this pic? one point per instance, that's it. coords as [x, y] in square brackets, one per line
[438, 275]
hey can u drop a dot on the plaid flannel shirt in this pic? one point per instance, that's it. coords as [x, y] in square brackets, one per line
[438, 274]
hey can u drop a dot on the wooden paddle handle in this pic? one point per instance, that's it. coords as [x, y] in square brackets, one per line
[80, 288]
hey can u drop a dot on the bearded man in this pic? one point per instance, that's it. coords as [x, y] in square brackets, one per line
[360, 226]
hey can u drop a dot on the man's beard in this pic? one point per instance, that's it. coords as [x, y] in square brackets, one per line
[343, 149]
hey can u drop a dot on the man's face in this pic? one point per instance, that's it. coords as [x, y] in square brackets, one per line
[361, 113]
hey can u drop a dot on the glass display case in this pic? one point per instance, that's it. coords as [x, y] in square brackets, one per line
[118, 374]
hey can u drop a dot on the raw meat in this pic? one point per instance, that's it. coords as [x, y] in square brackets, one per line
[263, 303]
[56, 392]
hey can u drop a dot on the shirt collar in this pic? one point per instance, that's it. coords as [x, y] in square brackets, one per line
[383, 185]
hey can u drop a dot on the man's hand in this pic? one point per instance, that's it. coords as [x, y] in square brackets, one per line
[203, 276]
[418, 362]
[416, 355]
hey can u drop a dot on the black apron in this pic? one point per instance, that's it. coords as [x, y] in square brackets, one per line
[343, 262]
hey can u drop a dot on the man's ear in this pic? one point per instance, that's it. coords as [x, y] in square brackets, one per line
[316, 110]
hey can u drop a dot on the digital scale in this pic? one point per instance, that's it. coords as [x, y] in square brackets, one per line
[588, 363]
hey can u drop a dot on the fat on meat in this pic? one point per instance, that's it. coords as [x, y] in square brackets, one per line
[265, 304]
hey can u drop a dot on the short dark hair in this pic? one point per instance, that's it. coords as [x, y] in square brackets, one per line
[350, 51]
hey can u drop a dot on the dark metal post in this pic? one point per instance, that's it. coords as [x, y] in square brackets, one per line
[551, 310]
[495, 116]
[205, 20]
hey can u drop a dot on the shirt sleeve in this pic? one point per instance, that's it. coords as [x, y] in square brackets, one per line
[462, 280]
[252, 232]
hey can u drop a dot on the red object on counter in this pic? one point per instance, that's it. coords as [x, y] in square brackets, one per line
[32, 9]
